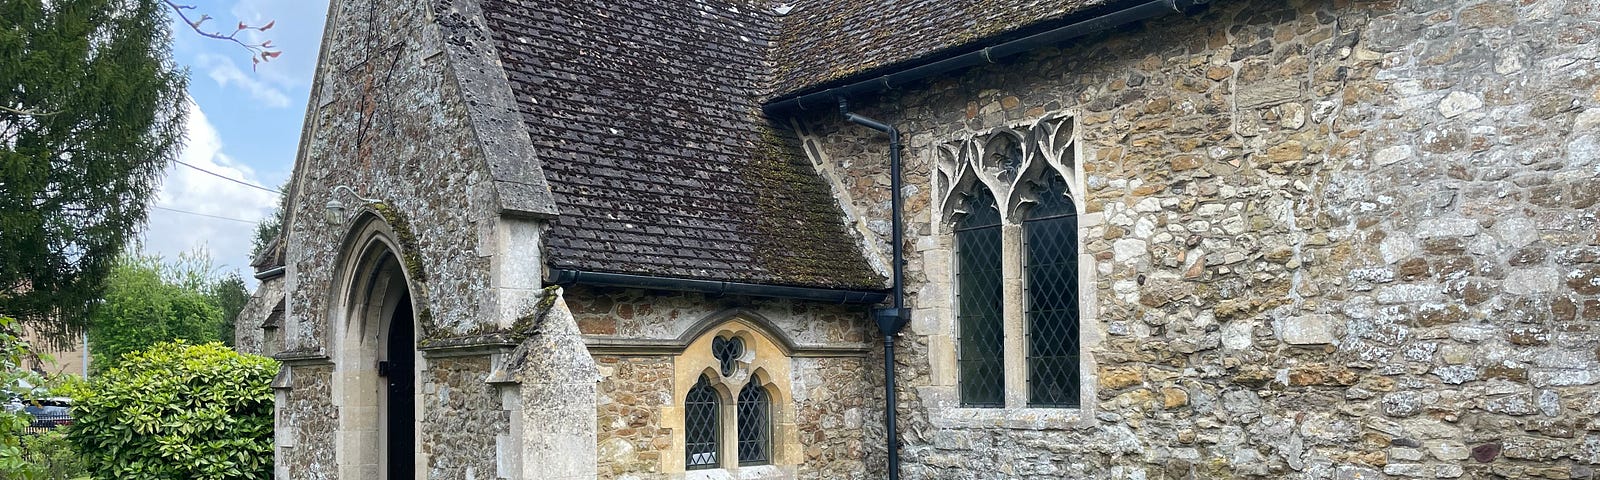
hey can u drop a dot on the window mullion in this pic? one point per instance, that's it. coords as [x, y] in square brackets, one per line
[1015, 346]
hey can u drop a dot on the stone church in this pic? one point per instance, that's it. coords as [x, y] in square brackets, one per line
[863, 239]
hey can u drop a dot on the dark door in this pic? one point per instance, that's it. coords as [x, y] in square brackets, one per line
[399, 370]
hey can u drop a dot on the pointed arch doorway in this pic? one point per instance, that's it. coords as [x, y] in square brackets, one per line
[398, 369]
[375, 358]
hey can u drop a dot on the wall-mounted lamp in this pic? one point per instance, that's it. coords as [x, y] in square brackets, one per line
[336, 208]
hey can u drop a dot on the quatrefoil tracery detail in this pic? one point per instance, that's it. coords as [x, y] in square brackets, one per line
[1011, 162]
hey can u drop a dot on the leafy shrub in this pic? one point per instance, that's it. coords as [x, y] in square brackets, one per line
[178, 411]
[51, 457]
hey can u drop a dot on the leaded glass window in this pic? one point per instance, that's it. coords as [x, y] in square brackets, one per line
[755, 426]
[1050, 231]
[978, 286]
[700, 425]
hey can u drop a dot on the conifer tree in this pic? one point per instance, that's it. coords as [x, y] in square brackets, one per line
[91, 111]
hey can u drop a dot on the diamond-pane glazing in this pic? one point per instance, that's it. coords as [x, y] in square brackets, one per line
[755, 432]
[1050, 231]
[700, 425]
[978, 286]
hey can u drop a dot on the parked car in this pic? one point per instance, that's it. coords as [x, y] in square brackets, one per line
[47, 413]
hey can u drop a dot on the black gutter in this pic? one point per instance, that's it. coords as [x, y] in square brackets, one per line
[714, 287]
[890, 320]
[273, 272]
[985, 55]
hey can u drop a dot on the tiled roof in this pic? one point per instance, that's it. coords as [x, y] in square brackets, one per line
[827, 40]
[646, 116]
[271, 255]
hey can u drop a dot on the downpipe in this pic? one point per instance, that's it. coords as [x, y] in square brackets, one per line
[892, 319]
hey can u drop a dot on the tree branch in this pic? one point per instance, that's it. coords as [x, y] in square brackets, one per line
[32, 113]
[259, 52]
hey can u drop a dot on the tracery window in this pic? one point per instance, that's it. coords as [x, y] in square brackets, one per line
[755, 425]
[737, 416]
[1007, 197]
[702, 424]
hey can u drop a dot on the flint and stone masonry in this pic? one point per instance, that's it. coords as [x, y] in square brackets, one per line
[1342, 239]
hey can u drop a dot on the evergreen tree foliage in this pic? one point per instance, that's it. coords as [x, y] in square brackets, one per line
[91, 110]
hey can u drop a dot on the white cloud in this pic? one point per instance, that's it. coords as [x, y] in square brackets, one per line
[226, 73]
[228, 242]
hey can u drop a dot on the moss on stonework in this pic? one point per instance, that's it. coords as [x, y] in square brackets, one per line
[799, 214]
[413, 263]
[408, 240]
[525, 327]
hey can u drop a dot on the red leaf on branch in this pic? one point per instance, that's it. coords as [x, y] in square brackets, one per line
[268, 25]
[270, 55]
[242, 26]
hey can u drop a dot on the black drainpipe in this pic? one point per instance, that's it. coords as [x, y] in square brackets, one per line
[890, 320]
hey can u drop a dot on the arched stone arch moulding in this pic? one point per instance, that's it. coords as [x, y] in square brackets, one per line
[765, 362]
[372, 278]
[1005, 160]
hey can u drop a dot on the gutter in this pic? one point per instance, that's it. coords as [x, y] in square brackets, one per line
[986, 55]
[714, 287]
[273, 272]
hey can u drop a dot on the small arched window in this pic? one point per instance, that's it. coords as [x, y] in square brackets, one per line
[755, 426]
[981, 349]
[1050, 239]
[701, 411]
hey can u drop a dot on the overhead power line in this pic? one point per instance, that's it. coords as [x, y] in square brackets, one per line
[157, 207]
[218, 175]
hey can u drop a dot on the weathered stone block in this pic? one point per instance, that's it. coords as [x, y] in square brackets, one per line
[1314, 329]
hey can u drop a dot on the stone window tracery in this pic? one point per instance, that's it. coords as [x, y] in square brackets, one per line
[1006, 196]
[736, 416]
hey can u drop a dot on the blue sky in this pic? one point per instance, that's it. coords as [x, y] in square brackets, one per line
[243, 124]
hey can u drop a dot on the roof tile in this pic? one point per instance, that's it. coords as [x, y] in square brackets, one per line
[646, 116]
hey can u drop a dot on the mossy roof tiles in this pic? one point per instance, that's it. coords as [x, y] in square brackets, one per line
[823, 41]
[646, 116]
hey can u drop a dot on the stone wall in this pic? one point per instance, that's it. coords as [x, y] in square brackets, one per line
[630, 396]
[1340, 239]
[839, 410]
[306, 421]
[248, 335]
[461, 415]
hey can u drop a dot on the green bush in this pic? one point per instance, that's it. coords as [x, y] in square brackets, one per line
[52, 457]
[178, 411]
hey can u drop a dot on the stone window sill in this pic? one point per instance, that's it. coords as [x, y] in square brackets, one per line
[755, 472]
[1009, 418]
